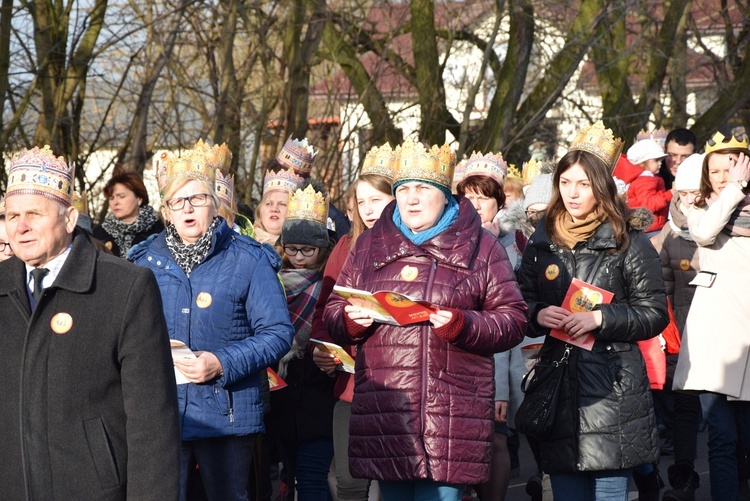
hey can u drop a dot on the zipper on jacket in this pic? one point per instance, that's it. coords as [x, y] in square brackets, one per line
[425, 351]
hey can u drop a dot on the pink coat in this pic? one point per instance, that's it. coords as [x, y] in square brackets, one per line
[423, 404]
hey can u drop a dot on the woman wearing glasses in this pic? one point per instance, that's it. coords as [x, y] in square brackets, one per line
[302, 412]
[222, 299]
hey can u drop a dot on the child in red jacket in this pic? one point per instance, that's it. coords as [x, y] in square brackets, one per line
[648, 190]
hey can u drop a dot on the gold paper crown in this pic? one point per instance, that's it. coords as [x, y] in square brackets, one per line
[193, 164]
[39, 172]
[80, 202]
[414, 161]
[491, 165]
[218, 157]
[297, 155]
[379, 161]
[716, 143]
[600, 142]
[283, 180]
[225, 188]
[308, 205]
[531, 170]
[514, 172]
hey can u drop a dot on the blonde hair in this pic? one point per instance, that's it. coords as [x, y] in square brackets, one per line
[180, 180]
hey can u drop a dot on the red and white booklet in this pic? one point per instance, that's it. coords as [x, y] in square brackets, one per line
[581, 297]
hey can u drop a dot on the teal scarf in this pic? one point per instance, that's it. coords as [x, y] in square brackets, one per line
[450, 214]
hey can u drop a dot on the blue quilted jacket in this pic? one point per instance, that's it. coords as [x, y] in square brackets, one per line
[233, 306]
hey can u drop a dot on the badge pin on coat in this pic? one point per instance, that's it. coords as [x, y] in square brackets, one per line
[203, 300]
[61, 323]
[552, 272]
[409, 273]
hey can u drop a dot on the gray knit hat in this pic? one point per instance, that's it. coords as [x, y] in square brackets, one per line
[540, 191]
[307, 216]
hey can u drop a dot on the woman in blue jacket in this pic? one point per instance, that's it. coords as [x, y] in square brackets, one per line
[223, 300]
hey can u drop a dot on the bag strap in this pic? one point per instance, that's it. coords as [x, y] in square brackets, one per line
[557, 363]
[593, 271]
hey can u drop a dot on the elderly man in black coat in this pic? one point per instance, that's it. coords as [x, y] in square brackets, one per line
[89, 407]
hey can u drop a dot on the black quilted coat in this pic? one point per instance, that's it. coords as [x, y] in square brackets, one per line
[605, 420]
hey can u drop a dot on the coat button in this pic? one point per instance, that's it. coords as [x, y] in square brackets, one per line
[149, 258]
[609, 347]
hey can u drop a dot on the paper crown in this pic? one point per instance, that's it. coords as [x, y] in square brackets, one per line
[491, 165]
[224, 187]
[218, 157]
[658, 135]
[514, 172]
[39, 172]
[297, 155]
[308, 205]
[531, 170]
[202, 162]
[284, 180]
[717, 143]
[80, 202]
[379, 161]
[415, 162]
[600, 142]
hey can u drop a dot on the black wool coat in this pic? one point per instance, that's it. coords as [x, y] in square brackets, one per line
[90, 404]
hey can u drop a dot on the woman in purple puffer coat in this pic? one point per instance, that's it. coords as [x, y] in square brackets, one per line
[422, 413]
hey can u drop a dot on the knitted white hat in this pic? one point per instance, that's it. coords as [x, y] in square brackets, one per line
[645, 149]
[539, 192]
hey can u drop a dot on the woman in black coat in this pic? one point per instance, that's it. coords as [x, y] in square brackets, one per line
[131, 220]
[604, 424]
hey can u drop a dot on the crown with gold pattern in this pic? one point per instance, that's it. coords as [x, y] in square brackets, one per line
[297, 155]
[80, 202]
[491, 165]
[39, 172]
[514, 172]
[224, 187]
[192, 164]
[458, 174]
[379, 161]
[600, 142]
[218, 157]
[308, 205]
[415, 162]
[531, 170]
[717, 143]
[284, 180]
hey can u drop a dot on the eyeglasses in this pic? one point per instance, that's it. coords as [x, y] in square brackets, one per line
[306, 251]
[532, 213]
[178, 203]
[3, 246]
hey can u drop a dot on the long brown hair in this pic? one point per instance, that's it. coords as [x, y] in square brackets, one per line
[605, 193]
[705, 185]
[380, 183]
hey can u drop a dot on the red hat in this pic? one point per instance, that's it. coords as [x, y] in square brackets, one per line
[626, 170]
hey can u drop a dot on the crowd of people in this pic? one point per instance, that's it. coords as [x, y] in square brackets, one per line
[202, 350]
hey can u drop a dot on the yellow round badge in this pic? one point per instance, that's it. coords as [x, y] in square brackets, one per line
[684, 264]
[552, 272]
[409, 273]
[204, 300]
[61, 323]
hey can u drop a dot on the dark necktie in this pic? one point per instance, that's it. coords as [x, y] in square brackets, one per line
[38, 275]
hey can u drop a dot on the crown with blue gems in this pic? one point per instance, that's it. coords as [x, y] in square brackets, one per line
[415, 162]
[298, 155]
[718, 143]
[284, 180]
[379, 161]
[39, 172]
[308, 205]
[490, 164]
[600, 142]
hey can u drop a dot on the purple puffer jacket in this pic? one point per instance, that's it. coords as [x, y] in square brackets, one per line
[423, 406]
